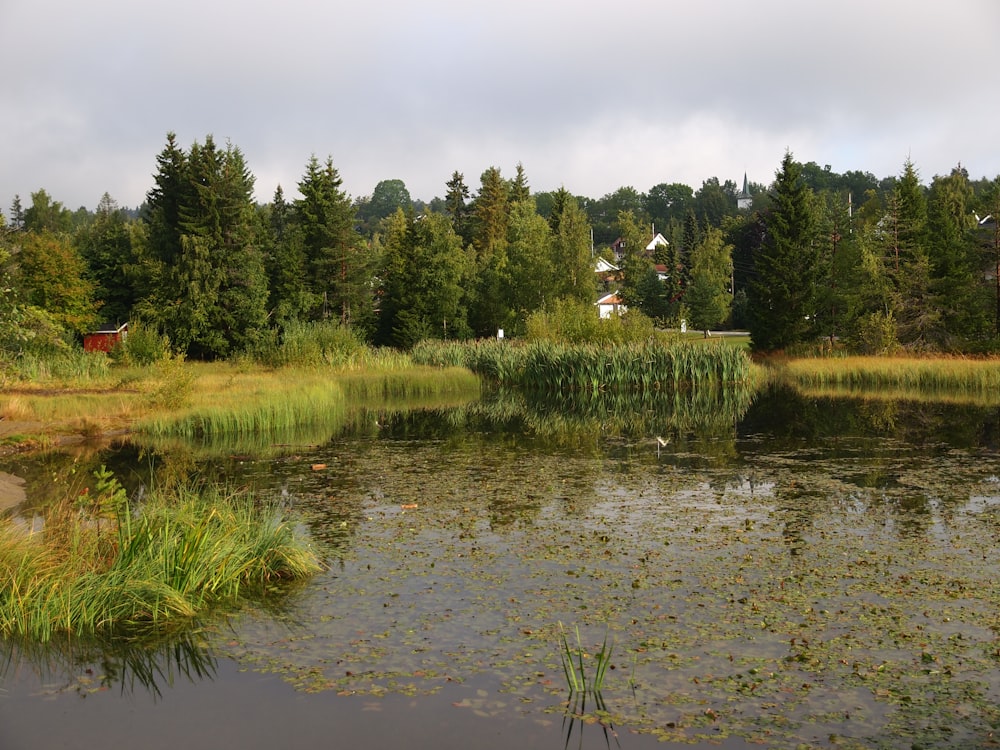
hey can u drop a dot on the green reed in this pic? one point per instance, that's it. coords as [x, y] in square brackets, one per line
[578, 678]
[555, 367]
[101, 566]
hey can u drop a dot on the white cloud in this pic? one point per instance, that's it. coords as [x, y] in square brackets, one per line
[589, 96]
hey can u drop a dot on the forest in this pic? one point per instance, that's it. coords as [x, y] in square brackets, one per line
[819, 259]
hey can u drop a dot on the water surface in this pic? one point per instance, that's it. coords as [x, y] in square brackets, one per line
[787, 572]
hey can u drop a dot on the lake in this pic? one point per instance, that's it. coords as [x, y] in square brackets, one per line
[771, 569]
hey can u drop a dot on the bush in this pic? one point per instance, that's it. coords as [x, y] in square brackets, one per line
[142, 346]
[311, 344]
[575, 322]
[877, 334]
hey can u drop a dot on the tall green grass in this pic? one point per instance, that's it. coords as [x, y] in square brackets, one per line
[102, 567]
[69, 366]
[249, 407]
[554, 367]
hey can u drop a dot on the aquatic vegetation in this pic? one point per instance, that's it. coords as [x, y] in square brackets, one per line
[551, 367]
[576, 672]
[919, 375]
[101, 566]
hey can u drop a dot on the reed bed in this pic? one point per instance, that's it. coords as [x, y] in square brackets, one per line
[407, 383]
[933, 375]
[236, 403]
[553, 367]
[227, 400]
[55, 369]
[102, 567]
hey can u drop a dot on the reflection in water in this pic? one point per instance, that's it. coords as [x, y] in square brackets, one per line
[785, 569]
[149, 664]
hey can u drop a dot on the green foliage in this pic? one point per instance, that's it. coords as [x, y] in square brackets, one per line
[312, 344]
[143, 346]
[102, 567]
[425, 270]
[174, 384]
[489, 302]
[708, 297]
[573, 321]
[206, 286]
[783, 294]
[107, 247]
[338, 269]
[52, 277]
[47, 215]
[876, 334]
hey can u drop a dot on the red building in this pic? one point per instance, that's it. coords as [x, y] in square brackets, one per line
[105, 338]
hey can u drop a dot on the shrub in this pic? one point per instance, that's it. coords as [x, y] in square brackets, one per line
[576, 322]
[142, 346]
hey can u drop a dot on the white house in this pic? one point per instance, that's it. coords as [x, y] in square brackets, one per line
[605, 267]
[658, 241]
[610, 304]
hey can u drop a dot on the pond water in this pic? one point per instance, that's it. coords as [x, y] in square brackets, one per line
[779, 570]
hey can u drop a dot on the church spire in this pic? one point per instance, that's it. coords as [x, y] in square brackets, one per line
[745, 200]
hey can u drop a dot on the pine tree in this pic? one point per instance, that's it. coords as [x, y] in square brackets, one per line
[519, 190]
[203, 267]
[908, 263]
[958, 290]
[285, 262]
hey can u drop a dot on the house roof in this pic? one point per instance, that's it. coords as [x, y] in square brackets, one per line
[657, 241]
[609, 299]
[604, 266]
[111, 328]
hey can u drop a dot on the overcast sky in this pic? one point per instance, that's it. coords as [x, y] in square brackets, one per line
[589, 96]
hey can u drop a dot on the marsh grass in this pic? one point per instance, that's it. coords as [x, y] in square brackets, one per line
[231, 401]
[62, 367]
[409, 382]
[554, 367]
[931, 376]
[102, 567]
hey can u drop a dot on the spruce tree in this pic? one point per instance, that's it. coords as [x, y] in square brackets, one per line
[338, 268]
[782, 295]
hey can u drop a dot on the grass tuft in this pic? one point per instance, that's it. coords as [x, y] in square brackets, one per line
[576, 672]
[103, 567]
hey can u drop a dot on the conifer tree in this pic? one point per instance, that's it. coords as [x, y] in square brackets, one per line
[207, 288]
[106, 246]
[782, 296]
[488, 308]
[338, 267]
[456, 206]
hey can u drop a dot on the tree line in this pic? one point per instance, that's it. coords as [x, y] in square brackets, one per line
[877, 264]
